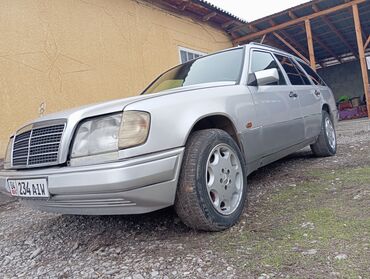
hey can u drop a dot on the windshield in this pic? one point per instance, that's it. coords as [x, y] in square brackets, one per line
[224, 66]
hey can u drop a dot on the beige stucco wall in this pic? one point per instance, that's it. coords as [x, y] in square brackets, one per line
[57, 54]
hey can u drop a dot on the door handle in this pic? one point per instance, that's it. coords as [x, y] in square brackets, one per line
[293, 95]
[317, 93]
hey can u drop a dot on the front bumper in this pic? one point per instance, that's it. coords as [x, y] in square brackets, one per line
[138, 185]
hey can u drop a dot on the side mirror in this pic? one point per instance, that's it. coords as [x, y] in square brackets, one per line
[264, 77]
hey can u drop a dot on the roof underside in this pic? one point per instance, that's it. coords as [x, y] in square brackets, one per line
[202, 10]
[333, 34]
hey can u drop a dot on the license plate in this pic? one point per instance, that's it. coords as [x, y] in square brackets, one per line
[30, 188]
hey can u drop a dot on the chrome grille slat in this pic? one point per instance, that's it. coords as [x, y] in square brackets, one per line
[37, 147]
[23, 136]
[52, 134]
[48, 130]
[20, 145]
[45, 140]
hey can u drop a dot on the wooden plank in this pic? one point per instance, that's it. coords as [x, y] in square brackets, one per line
[297, 20]
[318, 40]
[361, 50]
[209, 16]
[367, 43]
[228, 23]
[263, 39]
[184, 5]
[298, 46]
[290, 46]
[311, 49]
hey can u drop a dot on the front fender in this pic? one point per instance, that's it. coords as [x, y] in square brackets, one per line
[173, 116]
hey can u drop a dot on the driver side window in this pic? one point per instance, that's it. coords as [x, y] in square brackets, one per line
[265, 61]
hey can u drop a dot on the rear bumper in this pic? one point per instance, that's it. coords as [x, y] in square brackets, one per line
[133, 186]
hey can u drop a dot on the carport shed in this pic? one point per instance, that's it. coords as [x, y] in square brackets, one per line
[325, 33]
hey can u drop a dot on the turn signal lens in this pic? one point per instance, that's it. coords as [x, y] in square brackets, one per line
[134, 129]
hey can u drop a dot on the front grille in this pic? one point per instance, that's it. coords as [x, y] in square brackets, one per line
[37, 147]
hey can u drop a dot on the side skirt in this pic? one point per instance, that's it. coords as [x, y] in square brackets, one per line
[253, 166]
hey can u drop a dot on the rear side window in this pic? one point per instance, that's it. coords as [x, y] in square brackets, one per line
[312, 74]
[296, 76]
[265, 61]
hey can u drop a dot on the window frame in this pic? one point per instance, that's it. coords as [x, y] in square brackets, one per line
[322, 82]
[295, 66]
[252, 50]
[189, 50]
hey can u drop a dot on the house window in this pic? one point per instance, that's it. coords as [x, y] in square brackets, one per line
[187, 54]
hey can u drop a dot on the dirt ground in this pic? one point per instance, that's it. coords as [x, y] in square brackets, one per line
[306, 218]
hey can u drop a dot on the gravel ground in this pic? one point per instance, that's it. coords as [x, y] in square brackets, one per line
[158, 245]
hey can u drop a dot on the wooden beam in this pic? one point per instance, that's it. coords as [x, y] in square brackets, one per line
[311, 49]
[227, 24]
[297, 20]
[263, 39]
[209, 16]
[335, 30]
[237, 28]
[317, 39]
[298, 47]
[367, 42]
[361, 50]
[184, 5]
[290, 46]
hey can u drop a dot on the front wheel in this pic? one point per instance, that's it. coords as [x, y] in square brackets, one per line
[326, 143]
[212, 188]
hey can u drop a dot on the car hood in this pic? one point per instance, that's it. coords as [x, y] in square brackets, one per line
[92, 110]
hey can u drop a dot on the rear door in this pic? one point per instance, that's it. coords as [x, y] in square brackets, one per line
[312, 101]
[274, 105]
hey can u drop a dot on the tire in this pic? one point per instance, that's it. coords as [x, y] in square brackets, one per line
[326, 143]
[212, 191]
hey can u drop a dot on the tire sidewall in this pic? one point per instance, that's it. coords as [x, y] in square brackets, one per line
[325, 116]
[201, 188]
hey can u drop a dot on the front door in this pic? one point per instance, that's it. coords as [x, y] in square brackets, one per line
[277, 107]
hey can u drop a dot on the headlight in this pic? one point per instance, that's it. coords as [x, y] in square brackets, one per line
[134, 128]
[96, 136]
[8, 154]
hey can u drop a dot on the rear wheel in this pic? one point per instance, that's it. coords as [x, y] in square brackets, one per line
[212, 187]
[326, 143]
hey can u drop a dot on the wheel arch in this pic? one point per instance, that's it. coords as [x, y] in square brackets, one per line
[326, 107]
[217, 121]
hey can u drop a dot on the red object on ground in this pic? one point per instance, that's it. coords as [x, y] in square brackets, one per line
[353, 113]
[345, 105]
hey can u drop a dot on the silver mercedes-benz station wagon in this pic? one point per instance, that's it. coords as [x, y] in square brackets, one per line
[189, 140]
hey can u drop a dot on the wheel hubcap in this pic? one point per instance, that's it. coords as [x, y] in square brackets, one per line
[224, 179]
[330, 133]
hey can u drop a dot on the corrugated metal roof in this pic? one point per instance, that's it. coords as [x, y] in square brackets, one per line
[334, 34]
[213, 6]
[204, 11]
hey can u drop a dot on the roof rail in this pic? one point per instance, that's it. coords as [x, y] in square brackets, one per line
[268, 46]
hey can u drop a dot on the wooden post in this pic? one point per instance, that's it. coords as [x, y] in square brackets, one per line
[361, 52]
[310, 43]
